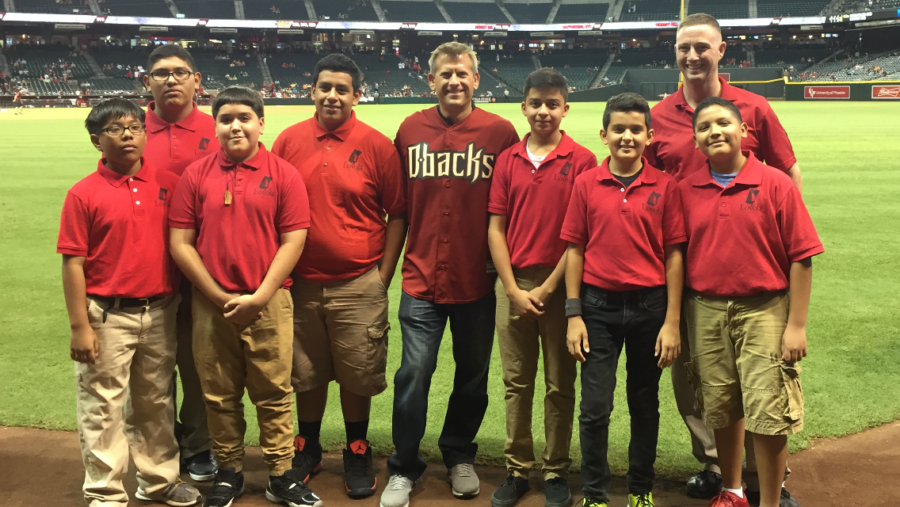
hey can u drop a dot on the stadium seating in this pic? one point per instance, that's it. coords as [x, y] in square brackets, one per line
[511, 70]
[412, 11]
[581, 13]
[614, 74]
[780, 8]
[529, 13]
[472, 12]
[54, 6]
[783, 57]
[117, 55]
[221, 9]
[274, 9]
[113, 86]
[580, 71]
[722, 10]
[214, 71]
[302, 62]
[651, 10]
[149, 8]
[387, 72]
[847, 68]
[353, 10]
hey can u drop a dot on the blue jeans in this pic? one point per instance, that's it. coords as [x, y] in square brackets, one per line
[422, 326]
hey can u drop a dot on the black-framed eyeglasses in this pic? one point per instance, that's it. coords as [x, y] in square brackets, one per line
[163, 75]
[118, 130]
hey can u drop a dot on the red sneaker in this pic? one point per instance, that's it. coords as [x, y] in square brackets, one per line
[728, 499]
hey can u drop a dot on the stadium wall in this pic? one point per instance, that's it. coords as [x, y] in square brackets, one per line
[653, 83]
[850, 90]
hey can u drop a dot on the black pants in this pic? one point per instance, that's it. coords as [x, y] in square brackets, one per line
[615, 320]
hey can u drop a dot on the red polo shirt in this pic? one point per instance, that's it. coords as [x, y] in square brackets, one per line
[174, 146]
[673, 149]
[118, 224]
[237, 242]
[624, 231]
[743, 239]
[449, 170]
[535, 200]
[353, 178]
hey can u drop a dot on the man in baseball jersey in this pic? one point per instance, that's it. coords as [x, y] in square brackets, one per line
[448, 153]
[698, 49]
[178, 133]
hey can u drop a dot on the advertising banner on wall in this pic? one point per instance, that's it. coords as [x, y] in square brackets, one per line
[826, 92]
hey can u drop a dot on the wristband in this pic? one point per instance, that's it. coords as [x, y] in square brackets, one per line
[573, 307]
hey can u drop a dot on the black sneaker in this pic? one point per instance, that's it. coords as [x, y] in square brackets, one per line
[706, 484]
[228, 485]
[307, 460]
[557, 492]
[512, 489]
[359, 475]
[201, 467]
[291, 491]
[787, 500]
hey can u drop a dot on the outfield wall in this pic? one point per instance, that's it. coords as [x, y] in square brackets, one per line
[849, 90]
[653, 83]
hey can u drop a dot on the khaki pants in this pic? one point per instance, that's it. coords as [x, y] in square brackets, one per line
[190, 428]
[124, 401]
[521, 341]
[230, 358]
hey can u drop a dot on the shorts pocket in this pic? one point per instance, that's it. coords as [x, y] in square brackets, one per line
[378, 343]
[794, 404]
[655, 301]
[592, 297]
[694, 379]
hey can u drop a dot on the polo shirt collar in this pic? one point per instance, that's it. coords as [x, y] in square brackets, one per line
[749, 176]
[117, 180]
[565, 147]
[447, 120]
[645, 178]
[155, 123]
[342, 132]
[727, 93]
[254, 163]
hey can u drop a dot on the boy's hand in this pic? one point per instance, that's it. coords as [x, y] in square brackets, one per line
[668, 345]
[244, 309]
[84, 346]
[793, 344]
[577, 338]
[526, 304]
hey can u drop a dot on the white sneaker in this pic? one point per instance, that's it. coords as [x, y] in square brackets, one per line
[396, 493]
[464, 481]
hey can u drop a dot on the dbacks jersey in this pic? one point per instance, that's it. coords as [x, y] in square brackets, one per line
[448, 170]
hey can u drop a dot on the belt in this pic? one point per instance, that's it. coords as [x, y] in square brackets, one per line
[125, 302]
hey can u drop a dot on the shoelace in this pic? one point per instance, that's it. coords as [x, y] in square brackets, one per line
[398, 482]
[465, 470]
[643, 501]
[358, 464]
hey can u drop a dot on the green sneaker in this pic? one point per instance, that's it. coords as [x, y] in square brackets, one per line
[642, 500]
[587, 502]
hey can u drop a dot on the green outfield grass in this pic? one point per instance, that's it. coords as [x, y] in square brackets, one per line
[849, 156]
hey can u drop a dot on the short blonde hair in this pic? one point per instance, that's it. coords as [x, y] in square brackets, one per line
[452, 49]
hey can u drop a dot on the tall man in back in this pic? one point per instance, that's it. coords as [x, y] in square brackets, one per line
[178, 133]
[448, 153]
[698, 49]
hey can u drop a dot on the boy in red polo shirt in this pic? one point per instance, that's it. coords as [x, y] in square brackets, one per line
[623, 280]
[749, 274]
[238, 225]
[353, 175]
[529, 195]
[121, 293]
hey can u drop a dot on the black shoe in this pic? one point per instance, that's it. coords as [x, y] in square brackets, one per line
[359, 475]
[228, 485]
[786, 499]
[706, 484]
[201, 466]
[752, 498]
[557, 493]
[512, 489]
[291, 491]
[307, 460]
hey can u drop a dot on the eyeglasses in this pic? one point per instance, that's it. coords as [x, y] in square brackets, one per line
[163, 75]
[118, 130]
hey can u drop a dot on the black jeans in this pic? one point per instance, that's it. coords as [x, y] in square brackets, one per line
[422, 325]
[615, 320]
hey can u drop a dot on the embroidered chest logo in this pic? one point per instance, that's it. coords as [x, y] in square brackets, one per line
[351, 163]
[472, 164]
[204, 144]
[751, 196]
[751, 204]
[264, 187]
[651, 204]
[564, 173]
[161, 198]
[653, 199]
[565, 169]
[354, 156]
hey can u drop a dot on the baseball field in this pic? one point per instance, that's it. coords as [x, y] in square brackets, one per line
[850, 158]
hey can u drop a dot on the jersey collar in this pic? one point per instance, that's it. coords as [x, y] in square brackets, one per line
[254, 163]
[646, 177]
[156, 124]
[565, 148]
[117, 180]
[342, 132]
[749, 176]
[727, 92]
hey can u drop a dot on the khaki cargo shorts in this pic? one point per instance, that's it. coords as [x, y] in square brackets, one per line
[736, 366]
[341, 333]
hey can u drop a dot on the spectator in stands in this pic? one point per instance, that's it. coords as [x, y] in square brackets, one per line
[699, 49]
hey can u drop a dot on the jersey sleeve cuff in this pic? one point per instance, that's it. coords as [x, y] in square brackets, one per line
[572, 238]
[676, 240]
[497, 210]
[295, 227]
[809, 252]
[396, 211]
[181, 224]
[73, 251]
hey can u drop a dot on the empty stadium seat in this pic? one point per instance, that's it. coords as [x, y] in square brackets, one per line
[581, 13]
[512, 70]
[651, 10]
[722, 10]
[474, 12]
[580, 71]
[412, 11]
[529, 13]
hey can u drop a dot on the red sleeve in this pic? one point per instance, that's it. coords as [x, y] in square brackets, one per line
[293, 208]
[797, 230]
[652, 159]
[673, 216]
[392, 182]
[74, 227]
[574, 229]
[513, 136]
[182, 212]
[498, 203]
[774, 143]
[278, 147]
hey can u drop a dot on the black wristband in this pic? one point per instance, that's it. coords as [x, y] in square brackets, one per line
[573, 307]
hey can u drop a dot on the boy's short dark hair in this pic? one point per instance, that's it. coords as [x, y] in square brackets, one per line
[169, 51]
[716, 101]
[109, 110]
[547, 79]
[626, 103]
[337, 62]
[238, 95]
